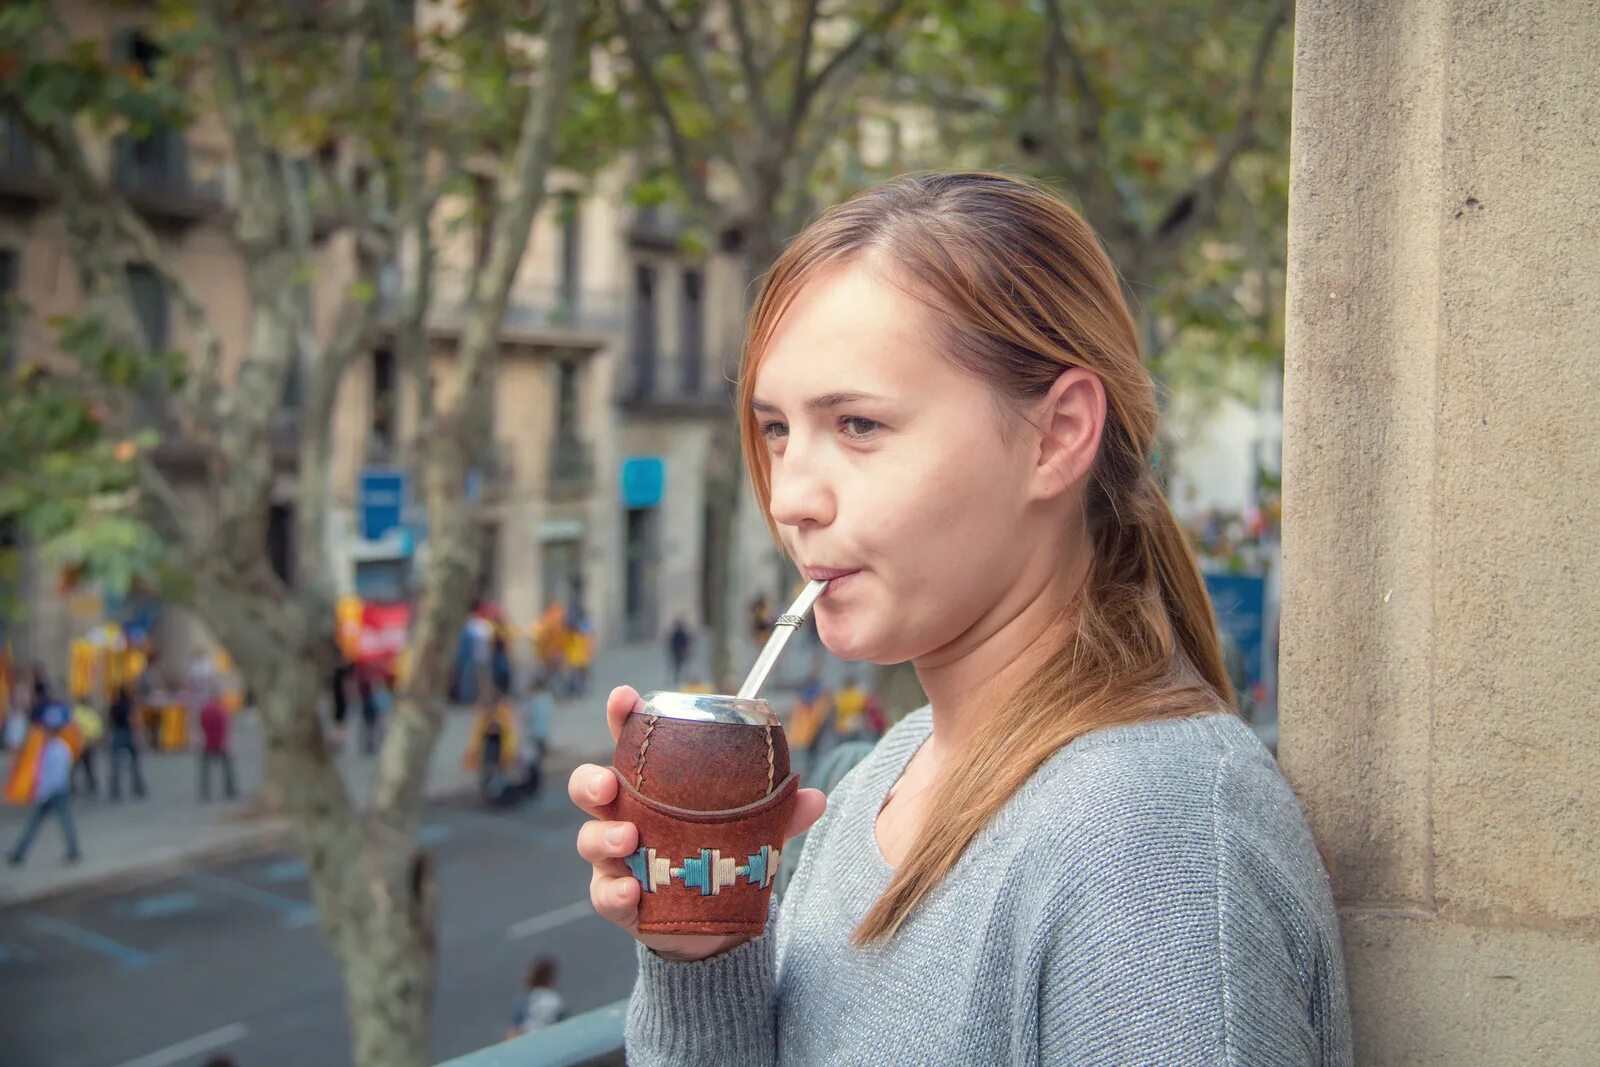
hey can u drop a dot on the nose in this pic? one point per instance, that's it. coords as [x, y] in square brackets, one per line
[801, 491]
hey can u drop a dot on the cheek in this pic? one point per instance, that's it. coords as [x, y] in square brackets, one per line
[939, 536]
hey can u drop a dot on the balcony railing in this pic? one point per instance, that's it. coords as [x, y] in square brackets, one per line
[22, 170]
[531, 312]
[593, 1039]
[158, 177]
[571, 468]
[657, 226]
[675, 384]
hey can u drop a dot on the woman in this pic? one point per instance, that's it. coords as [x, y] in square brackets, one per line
[1078, 853]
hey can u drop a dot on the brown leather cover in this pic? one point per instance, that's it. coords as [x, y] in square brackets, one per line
[701, 765]
[673, 904]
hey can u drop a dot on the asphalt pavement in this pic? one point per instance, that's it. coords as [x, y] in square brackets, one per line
[229, 956]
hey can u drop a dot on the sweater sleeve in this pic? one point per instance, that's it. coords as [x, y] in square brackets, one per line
[720, 1010]
[1168, 947]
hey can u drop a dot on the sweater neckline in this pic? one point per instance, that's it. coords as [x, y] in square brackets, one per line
[894, 767]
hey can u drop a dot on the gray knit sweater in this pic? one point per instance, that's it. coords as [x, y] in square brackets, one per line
[1150, 896]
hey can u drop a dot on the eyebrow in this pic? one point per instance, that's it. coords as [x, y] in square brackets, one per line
[825, 402]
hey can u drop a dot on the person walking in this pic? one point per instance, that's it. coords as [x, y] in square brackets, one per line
[91, 728]
[214, 727]
[539, 1005]
[680, 646]
[52, 792]
[124, 744]
[1077, 852]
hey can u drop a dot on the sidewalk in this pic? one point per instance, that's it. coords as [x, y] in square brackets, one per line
[170, 829]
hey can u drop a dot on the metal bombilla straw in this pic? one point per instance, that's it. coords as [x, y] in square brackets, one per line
[787, 624]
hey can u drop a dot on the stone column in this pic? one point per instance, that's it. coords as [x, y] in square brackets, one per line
[1441, 629]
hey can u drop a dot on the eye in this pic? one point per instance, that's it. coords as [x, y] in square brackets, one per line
[858, 429]
[774, 431]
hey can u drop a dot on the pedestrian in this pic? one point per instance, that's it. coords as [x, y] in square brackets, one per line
[680, 646]
[52, 791]
[1077, 852]
[850, 710]
[150, 692]
[339, 685]
[91, 727]
[500, 661]
[124, 744]
[368, 688]
[539, 1004]
[580, 653]
[538, 711]
[214, 749]
[761, 621]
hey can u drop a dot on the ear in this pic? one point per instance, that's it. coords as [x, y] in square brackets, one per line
[1072, 416]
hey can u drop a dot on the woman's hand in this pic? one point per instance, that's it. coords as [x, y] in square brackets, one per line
[613, 890]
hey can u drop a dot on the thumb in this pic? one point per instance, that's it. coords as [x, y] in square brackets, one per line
[809, 804]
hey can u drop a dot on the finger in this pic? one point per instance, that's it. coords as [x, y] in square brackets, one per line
[619, 705]
[592, 788]
[615, 899]
[809, 804]
[599, 841]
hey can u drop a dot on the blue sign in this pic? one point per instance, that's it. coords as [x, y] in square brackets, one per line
[1240, 603]
[383, 501]
[644, 480]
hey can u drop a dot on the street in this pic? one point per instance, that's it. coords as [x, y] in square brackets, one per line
[230, 957]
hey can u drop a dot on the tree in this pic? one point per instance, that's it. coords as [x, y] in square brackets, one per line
[354, 115]
[749, 101]
[1166, 122]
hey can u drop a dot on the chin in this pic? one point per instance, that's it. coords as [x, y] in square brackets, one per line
[850, 640]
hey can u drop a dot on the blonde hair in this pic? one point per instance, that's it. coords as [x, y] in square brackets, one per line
[1022, 291]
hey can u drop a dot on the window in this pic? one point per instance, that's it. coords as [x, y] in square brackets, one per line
[567, 415]
[571, 237]
[383, 399]
[8, 321]
[149, 295]
[691, 332]
[644, 327]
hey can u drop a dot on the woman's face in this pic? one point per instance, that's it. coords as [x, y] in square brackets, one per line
[888, 464]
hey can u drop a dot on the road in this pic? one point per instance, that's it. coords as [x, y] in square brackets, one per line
[230, 957]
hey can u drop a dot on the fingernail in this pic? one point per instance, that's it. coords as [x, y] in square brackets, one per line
[615, 836]
[621, 893]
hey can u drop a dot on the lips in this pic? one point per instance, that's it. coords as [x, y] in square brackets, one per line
[828, 574]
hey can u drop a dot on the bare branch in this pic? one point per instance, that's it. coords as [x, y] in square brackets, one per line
[1059, 43]
[1196, 206]
[754, 86]
[690, 51]
[687, 164]
[848, 56]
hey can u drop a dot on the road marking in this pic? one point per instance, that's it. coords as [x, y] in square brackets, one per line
[16, 954]
[538, 924]
[216, 1039]
[128, 958]
[295, 914]
[161, 906]
[283, 871]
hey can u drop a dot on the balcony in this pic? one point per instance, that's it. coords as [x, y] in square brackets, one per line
[156, 175]
[571, 468]
[657, 226]
[676, 385]
[24, 179]
[492, 478]
[537, 315]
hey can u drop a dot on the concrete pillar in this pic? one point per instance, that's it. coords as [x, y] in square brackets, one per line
[1440, 669]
